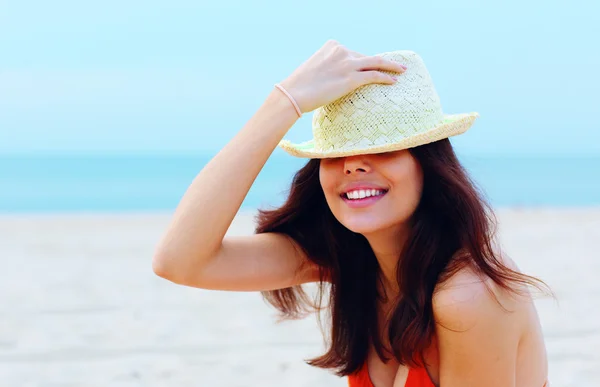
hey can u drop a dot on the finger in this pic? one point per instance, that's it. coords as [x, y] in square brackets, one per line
[372, 76]
[355, 54]
[379, 63]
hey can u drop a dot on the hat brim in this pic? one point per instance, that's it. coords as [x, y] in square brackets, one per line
[452, 125]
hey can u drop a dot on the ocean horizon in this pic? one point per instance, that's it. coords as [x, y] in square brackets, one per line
[122, 183]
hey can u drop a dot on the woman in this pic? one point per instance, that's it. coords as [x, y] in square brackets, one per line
[382, 216]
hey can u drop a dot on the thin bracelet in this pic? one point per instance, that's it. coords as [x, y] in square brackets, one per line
[284, 91]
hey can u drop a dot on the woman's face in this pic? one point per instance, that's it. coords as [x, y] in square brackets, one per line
[369, 193]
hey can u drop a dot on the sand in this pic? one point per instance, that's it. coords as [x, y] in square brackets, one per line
[81, 307]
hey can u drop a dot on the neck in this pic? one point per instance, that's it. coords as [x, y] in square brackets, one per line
[387, 246]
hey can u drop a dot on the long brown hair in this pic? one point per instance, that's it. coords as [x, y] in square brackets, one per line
[452, 217]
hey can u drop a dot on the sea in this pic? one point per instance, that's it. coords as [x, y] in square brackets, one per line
[134, 183]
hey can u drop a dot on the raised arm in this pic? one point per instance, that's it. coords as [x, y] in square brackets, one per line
[194, 250]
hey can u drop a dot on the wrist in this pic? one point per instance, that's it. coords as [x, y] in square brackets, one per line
[284, 90]
[281, 106]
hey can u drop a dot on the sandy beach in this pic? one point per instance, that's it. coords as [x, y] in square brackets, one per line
[82, 307]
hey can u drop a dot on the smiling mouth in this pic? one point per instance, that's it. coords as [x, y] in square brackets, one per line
[359, 195]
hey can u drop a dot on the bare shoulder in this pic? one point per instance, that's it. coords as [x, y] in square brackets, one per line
[458, 301]
[468, 298]
[484, 332]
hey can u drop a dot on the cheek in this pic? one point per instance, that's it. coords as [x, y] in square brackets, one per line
[416, 189]
[408, 183]
[328, 181]
[413, 194]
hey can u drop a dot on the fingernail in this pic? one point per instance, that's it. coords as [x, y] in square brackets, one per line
[403, 66]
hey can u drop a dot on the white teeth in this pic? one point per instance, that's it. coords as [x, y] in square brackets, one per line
[361, 194]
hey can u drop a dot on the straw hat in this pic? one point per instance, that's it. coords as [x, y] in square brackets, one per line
[378, 118]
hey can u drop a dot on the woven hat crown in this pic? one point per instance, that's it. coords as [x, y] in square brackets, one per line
[376, 117]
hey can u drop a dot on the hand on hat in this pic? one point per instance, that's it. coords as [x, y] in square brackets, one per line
[334, 71]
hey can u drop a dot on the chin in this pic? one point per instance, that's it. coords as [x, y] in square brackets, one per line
[363, 224]
[372, 222]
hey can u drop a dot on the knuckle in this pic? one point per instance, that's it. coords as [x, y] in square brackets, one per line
[339, 49]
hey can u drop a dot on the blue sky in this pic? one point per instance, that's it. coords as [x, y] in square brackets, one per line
[183, 76]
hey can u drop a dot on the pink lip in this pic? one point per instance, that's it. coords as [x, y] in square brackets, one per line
[359, 185]
[361, 203]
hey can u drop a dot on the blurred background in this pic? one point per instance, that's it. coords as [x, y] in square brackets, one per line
[109, 109]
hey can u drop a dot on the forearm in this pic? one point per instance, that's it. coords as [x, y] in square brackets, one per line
[211, 202]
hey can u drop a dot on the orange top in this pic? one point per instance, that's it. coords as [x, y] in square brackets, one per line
[417, 377]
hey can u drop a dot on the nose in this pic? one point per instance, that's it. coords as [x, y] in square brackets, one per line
[355, 165]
